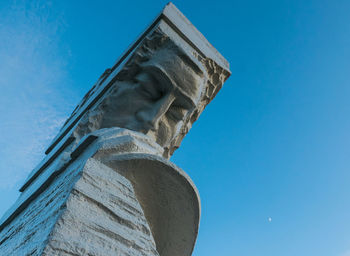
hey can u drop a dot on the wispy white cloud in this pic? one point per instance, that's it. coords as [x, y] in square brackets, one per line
[33, 102]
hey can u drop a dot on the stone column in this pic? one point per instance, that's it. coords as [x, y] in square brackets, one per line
[106, 185]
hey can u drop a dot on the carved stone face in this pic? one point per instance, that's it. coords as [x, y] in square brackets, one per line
[158, 98]
[160, 91]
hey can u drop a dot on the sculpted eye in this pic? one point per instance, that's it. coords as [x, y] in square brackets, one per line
[176, 113]
[149, 86]
[150, 92]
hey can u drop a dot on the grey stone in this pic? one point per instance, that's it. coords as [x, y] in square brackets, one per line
[102, 217]
[88, 210]
[106, 186]
[89, 190]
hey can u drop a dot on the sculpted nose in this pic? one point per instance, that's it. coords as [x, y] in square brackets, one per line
[150, 117]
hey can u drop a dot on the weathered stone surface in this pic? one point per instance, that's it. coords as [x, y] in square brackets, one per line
[102, 217]
[159, 87]
[106, 186]
[168, 197]
[114, 140]
[88, 210]
[171, 56]
[160, 92]
[165, 199]
[29, 231]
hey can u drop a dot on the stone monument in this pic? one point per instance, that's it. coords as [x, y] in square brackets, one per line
[106, 186]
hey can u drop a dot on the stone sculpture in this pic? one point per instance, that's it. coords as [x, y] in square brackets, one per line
[106, 186]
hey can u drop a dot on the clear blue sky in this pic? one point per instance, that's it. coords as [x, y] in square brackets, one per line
[273, 144]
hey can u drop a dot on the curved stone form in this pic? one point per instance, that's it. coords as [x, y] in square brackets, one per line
[168, 198]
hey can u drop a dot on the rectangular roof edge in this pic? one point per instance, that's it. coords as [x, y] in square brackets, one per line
[185, 27]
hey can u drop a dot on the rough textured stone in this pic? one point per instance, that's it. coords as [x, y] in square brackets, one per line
[159, 87]
[161, 91]
[29, 231]
[157, 203]
[106, 186]
[102, 217]
[89, 210]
